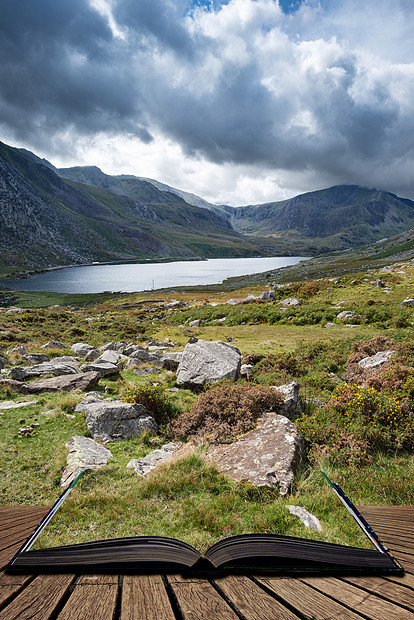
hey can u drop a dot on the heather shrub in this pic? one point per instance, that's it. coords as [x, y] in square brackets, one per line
[227, 410]
[356, 422]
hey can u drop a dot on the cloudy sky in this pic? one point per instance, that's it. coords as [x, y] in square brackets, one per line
[238, 101]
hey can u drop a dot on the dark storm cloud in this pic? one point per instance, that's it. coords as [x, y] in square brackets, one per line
[241, 82]
[62, 67]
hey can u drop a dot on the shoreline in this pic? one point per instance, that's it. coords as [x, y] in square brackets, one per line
[6, 284]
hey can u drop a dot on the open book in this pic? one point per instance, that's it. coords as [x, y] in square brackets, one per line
[237, 554]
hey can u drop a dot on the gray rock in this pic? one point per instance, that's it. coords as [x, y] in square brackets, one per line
[54, 344]
[208, 362]
[115, 420]
[195, 323]
[131, 349]
[104, 369]
[20, 350]
[268, 295]
[3, 362]
[290, 301]
[307, 518]
[246, 371]
[54, 367]
[330, 325]
[113, 357]
[345, 314]
[171, 360]
[378, 283]
[84, 454]
[145, 356]
[65, 383]
[376, 360]
[11, 404]
[81, 349]
[92, 355]
[154, 459]
[90, 397]
[234, 302]
[293, 406]
[266, 456]
[409, 301]
[147, 371]
[36, 358]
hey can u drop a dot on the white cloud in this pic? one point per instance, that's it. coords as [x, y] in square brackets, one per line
[240, 105]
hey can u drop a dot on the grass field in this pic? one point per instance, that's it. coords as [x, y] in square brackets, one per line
[189, 499]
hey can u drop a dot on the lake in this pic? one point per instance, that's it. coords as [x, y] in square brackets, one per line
[137, 277]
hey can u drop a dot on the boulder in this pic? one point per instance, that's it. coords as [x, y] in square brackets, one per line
[145, 356]
[153, 459]
[408, 301]
[113, 357]
[345, 314]
[114, 420]
[208, 362]
[376, 360]
[92, 355]
[84, 453]
[146, 371]
[268, 456]
[11, 404]
[293, 406]
[36, 358]
[268, 295]
[54, 367]
[171, 360]
[308, 519]
[54, 344]
[246, 371]
[104, 369]
[81, 349]
[195, 323]
[65, 383]
[290, 301]
[3, 362]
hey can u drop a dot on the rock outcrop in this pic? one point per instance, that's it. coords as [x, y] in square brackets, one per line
[114, 420]
[208, 362]
[54, 367]
[269, 455]
[154, 459]
[66, 383]
[84, 453]
[378, 359]
[292, 402]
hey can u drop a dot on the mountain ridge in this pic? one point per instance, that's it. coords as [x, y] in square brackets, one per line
[51, 216]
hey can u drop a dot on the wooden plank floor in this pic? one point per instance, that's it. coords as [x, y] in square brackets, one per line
[172, 597]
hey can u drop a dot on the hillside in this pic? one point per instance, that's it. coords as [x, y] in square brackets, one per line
[46, 220]
[339, 217]
[51, 217]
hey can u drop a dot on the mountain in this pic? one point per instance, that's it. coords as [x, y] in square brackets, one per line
[129, 185]
[339, 217]
[46, 220]
[51, 217]
[335, 218]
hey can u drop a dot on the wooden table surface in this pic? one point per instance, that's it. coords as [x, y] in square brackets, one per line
[172, 597]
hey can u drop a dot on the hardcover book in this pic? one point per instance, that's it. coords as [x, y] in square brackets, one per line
[268, 553]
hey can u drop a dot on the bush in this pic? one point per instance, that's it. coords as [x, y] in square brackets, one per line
[154, 398]
[355, 422]
[227, 410]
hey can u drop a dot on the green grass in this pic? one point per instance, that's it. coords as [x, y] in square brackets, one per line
[189, 499]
